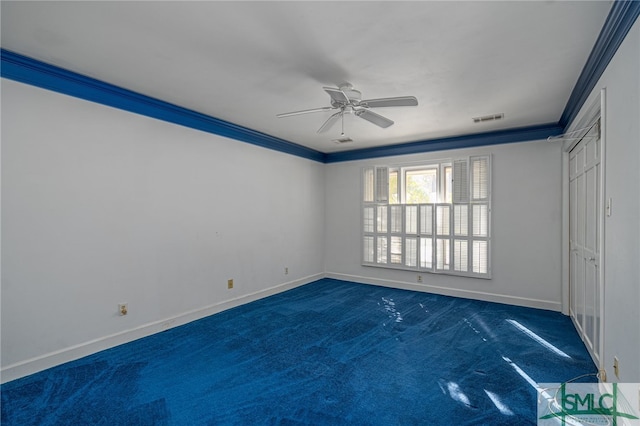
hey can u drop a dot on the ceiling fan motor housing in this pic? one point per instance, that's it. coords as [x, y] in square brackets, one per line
[353, 94]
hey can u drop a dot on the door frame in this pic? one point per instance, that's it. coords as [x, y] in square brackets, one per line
[596, 110]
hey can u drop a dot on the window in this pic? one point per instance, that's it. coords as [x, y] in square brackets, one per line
[429, 218]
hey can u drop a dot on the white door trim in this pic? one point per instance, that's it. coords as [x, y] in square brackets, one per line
[595, 111]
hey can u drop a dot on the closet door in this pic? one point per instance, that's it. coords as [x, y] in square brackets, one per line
[584, 210]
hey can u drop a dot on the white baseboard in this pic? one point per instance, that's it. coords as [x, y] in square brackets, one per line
[466, 294]
[34, 365]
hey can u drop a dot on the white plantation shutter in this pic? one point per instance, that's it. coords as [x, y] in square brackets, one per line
[396, 250]
[480, 257]
[460, 182]
[368, 184]
[381, 250]
[451, 237]
[460, 255]
[396, 219]
[480, 220]
[479, 178]
[426, 219]
[480, 213]
[368, 248]
[443, 219]
[382, 184]
[411, 223]
[443, 229]
[367, 220]
[443, 254]
[426, 253]
[460, 219]
[382, 219]
[411, 251]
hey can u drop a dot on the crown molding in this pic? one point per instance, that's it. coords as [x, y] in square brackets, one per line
[30, 71]
[621, 18]
[521, 134]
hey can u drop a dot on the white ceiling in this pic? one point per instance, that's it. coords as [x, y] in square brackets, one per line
[245, 62]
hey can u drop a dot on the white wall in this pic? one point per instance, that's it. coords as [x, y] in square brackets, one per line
[526, 220]
[101, 206]
[621, 80]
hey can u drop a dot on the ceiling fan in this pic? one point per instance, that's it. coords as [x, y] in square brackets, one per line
[347, 100]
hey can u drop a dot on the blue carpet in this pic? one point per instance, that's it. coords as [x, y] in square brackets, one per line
[327, 353]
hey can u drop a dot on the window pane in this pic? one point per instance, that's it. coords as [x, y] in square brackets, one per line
[368, 219]
[396, 219]
[480, 220]
[433, 217]
[442, 254]
[442, 220]
[411, 251]
[426, 220]
[460, 255]
[396, 250]
[426, 253]
[368, 249]
[421, 186]
[382, 250]
[382, 218]
[394, 197]
[480, 257]
[368, 185]
[411, 213]
[461, 219]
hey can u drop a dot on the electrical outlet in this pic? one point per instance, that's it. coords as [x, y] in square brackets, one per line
[419, 278]
[602, 375]
[230, 283]
[286, 270]
[123, 309]
[616, 367]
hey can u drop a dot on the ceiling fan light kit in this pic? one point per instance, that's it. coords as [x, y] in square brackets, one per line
[348, 100]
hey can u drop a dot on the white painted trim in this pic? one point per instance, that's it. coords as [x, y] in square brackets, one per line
[466, 294]
[565, 233]
[34, 365]
[596, 110]
[603, 217]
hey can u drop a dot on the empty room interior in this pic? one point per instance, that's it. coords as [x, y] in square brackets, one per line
[316, 212]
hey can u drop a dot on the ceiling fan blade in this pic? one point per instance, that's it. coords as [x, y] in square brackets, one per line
[374, 118]
[330, 122]
[337, 95]
[305, 111]
[390, 102]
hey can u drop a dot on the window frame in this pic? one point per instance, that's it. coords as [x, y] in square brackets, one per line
[411, 243]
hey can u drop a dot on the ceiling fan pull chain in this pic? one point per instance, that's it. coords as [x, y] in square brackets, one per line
[342, 134]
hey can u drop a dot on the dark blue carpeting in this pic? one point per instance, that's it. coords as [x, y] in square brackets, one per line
[327, 353]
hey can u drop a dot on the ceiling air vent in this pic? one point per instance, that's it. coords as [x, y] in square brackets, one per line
[343, 141]
[491, 117]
